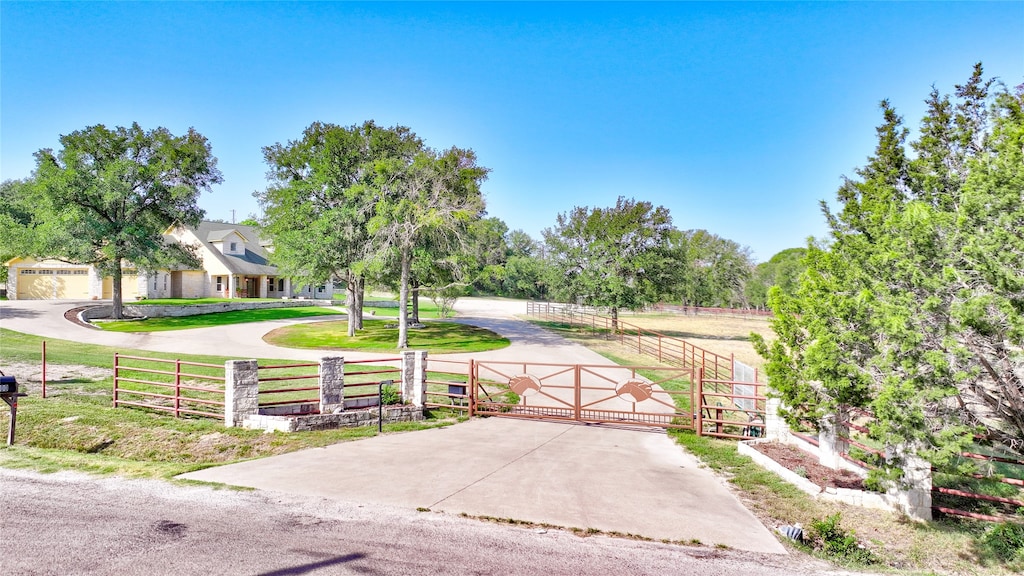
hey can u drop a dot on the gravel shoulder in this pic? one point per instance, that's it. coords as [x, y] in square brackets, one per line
[141, 527]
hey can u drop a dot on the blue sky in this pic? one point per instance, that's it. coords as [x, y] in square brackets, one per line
[738, 117]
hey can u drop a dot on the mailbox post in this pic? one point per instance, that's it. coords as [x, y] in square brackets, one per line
[9, 394]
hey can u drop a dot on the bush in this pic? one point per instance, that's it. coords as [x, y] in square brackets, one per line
[389, 395]
[827, 537]
[1005, 540]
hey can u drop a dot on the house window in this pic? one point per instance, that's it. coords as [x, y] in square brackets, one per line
[220, 283]
[320, 288]
[270, 284]
[280, 285]
[234, 246]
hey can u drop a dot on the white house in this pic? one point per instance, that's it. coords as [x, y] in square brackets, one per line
[234, 265]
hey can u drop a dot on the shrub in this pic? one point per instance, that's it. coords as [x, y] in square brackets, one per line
[389, 395]
[827, 537]
[1005, 540]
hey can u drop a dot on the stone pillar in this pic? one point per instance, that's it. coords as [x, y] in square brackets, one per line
[288, 287]
[262, 289]
[914, 490]
[332, 384]
[774, 424]
[241, 391]
[832, 443]
[414, 377]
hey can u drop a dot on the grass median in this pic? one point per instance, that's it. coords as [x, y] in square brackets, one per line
[216, 319]
[381, 336]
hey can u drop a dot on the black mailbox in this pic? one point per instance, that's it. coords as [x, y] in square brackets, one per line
[8, 385]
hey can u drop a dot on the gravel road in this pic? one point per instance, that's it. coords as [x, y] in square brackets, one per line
[68, 523]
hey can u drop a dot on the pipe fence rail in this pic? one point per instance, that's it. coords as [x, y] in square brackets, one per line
[993, 493]
[667, 349]
[283, 386]
[362, 385]
[175, 386]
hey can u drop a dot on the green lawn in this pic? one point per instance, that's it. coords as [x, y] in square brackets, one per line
[435, 337]
[215, 319]
[425, 312]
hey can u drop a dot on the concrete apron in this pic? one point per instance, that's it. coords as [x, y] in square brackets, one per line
[610, 479]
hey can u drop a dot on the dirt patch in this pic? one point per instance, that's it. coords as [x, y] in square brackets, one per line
[805, 464]
[30, 374]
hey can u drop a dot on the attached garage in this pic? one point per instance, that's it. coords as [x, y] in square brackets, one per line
[129, 286]
[40, 282]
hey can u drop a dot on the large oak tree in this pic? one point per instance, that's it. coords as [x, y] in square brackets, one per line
[108, 195]
[616, 257]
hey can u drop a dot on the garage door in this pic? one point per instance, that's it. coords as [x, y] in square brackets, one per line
[53, 283]
[129, 287]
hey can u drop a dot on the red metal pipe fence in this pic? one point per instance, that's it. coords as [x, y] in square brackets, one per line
[667, 349]
[278, 383]
[145, 383]
[450, 384]
[364, 383]
[857, 420]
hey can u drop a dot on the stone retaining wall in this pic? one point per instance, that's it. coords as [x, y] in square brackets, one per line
[171, 310]
[324, 421]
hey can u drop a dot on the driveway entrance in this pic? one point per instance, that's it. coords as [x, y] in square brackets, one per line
[571, 475]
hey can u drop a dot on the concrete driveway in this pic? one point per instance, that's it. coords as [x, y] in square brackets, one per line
[615, 480]
[609, 479]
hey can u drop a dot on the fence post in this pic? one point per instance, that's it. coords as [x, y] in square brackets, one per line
[115, 379]
[332, 384]
[699, 406]
[471, 387]
[577, 393]
[775, 427]
[241, 391]
[832, 436]
[177, 388]
[414, 377]
[914, 489]
[44, 368]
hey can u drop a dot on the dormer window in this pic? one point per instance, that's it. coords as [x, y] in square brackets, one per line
[234, 247]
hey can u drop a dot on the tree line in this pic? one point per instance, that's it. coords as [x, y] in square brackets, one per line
[913, 307]
[366, 203]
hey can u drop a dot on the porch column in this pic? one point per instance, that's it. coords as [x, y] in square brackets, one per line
[232, 286]
[288, 287]
[263, 287]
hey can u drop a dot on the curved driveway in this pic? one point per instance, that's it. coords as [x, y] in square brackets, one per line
[46, 318]
[590, 477]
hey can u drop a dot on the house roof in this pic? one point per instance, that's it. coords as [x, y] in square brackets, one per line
[255, 259]
[219, 235]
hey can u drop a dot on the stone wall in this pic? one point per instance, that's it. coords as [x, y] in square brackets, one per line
[326, 421]
[160, 311]
[912, 496]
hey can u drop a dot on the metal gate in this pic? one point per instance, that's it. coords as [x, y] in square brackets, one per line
[645, 396]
